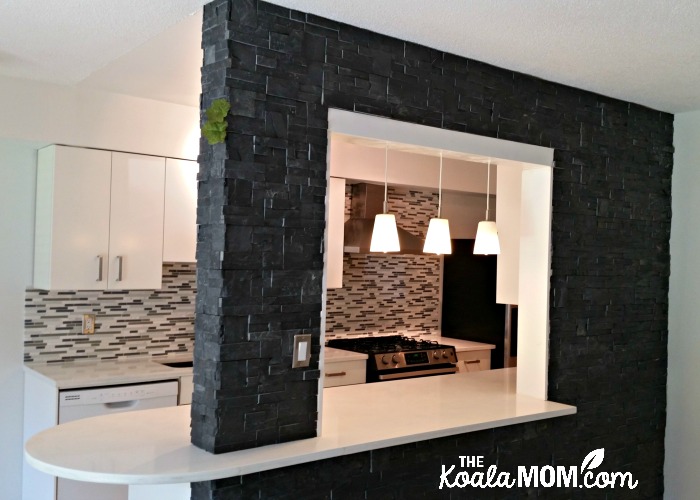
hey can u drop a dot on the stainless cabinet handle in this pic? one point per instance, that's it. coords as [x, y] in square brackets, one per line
[473, 362]
[337, 374]
[119, 267]
[99, 268]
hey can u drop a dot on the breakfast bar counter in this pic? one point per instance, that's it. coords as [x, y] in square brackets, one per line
[153, 446]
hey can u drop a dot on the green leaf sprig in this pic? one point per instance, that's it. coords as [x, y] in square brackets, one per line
[214, 129]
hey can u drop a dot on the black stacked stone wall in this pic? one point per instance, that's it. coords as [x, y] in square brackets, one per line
[261, 217]
[260, 254]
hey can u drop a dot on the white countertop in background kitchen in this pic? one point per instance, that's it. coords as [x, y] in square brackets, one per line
[79, 374]
[153, 446]
[461, 345]
[337, 355]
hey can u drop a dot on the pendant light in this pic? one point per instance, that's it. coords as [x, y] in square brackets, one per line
[385, 236]
[438, 240]
[486, 233]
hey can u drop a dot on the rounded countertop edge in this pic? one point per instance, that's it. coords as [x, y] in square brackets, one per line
[333, 442]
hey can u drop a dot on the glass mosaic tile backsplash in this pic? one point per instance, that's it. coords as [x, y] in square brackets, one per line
[387, 294]
[128, 322]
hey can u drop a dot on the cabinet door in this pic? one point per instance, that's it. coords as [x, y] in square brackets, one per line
[136, 222]
[72, 219]
[474, 361]
[344, 373]
[334, 233]
[180, 224]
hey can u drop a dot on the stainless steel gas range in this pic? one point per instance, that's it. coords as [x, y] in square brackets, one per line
[397, 357]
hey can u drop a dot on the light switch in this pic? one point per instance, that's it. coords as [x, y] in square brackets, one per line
[301, 355]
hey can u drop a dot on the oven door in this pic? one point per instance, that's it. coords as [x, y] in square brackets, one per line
[414, 372]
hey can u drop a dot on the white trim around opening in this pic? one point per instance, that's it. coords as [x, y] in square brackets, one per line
[534, 163]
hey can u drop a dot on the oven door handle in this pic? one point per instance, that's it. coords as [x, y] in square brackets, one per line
[418, 373]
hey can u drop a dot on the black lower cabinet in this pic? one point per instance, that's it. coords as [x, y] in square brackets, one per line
[469, 309]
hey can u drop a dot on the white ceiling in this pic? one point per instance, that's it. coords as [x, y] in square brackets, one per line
[644, 51]
[94, 41]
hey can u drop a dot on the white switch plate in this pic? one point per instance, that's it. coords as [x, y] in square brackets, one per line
[88, 324]
[301, 355]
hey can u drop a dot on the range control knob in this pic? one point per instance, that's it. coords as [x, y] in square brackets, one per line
[395, 358]
[436, 355]
[385, 359]
[444, 354]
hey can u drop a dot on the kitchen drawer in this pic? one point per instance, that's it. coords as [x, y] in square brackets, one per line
[474, 361]
[344, 373]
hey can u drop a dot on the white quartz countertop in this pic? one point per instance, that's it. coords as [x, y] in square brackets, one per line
[337, 355]
[78, 374]
[153, 446]
[463, 345]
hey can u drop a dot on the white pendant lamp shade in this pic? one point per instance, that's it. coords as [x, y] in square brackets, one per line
[385, 237]
[487, 239]
[486, 233]
[438, 240]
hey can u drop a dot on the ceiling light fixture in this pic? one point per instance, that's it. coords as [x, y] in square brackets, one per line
[487, 234]
[385, 236]
[438, 240]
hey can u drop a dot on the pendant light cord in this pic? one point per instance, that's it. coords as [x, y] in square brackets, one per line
[440, 188]
[488, 187]
[386, 168]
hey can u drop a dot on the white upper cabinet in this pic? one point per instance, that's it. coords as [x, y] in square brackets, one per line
[180, 227]
[71, 240]
[335, 233]
[99, 220]
[136, 222]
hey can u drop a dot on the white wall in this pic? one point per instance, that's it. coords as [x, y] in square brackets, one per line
[57, 114]
[359, 162]
[17, 184]
[681, 477]
[508, 202]
[35, 114]
[465, 211]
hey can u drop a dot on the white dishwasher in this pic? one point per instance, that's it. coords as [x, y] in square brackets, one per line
[83, 403]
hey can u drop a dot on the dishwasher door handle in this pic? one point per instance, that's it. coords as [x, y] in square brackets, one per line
[119, 405]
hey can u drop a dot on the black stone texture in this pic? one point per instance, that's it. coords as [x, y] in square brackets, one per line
[260, 261]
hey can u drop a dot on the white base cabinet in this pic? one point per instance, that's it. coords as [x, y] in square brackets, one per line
[343, 367]
[473, 361]
[345, 373]
[179, 491]
[45, 406]
[99, 220]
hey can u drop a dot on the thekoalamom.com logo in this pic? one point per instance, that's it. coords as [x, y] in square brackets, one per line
[546, 476]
